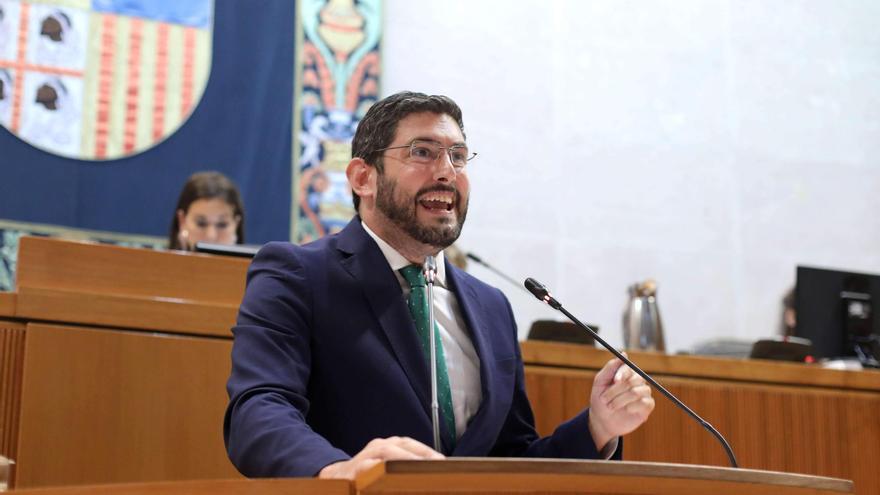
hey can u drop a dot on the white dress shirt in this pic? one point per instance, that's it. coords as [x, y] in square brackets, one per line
[462, 362]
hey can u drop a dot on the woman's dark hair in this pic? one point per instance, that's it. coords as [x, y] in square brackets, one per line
[207, 185]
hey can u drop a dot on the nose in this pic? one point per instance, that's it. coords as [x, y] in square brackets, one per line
[444, 170]
[212, 233]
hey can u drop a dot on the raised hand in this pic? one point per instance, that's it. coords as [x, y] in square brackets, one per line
[619, 402]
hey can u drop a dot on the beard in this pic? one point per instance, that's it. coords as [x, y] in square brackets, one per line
[401, 211]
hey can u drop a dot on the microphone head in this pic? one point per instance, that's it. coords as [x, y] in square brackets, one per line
[429, 268]
[430, 264]
[536, 288]
[474, 257]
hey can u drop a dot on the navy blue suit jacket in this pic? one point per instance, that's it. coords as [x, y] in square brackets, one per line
[326, 358]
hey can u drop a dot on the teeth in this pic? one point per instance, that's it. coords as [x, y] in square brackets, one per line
[445, 198]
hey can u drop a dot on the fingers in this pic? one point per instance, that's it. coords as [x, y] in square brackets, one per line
[627, 387]
[606, 375]
[420, 449]
[643, 406]
[619, 403]
[398, 448]
[378, 450]
[628, 396]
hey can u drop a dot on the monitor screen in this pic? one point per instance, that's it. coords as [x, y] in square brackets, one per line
[241, 250]
[834, 311]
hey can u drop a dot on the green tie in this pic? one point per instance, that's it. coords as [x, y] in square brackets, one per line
[418, 308]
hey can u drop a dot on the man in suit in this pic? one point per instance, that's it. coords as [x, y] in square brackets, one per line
[330, 372]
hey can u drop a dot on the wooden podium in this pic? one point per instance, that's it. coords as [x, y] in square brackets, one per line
[505, 476]
[538, 476]
[114, 362]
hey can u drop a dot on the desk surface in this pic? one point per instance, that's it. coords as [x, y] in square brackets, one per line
[777, 416]
[729, 369]
[120, 287]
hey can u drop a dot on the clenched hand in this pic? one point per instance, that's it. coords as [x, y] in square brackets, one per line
[619, 403]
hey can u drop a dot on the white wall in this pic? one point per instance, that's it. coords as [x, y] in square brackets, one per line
[710, 144]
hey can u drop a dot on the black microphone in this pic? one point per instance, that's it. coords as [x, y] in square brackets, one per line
[498, 272]
[541, 292]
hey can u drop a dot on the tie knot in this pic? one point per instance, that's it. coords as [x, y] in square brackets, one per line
[413, 275]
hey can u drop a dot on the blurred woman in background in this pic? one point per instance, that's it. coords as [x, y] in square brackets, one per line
[209, 210]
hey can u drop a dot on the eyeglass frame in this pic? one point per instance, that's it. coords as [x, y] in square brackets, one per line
[411, 146]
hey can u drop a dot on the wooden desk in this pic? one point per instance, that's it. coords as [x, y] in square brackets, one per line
[561, 476]
[210, 487]
[115, 362]
[7, 304]
[96, 284]
[777, 416]
[501, 476]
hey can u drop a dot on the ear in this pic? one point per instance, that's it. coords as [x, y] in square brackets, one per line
[362, 178]
[181, 216]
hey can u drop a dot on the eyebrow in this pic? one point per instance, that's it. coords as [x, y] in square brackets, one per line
[223, 216]
[438, 143]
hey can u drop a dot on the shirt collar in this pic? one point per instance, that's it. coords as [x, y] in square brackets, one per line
[398, 261]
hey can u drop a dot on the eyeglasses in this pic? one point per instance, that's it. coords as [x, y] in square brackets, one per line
[427, 152]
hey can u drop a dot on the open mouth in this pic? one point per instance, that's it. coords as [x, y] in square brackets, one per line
[438, 201]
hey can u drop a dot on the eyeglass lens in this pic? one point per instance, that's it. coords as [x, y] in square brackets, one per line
[427, 152]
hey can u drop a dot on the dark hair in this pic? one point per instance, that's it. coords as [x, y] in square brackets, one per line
[207, 185]
[378, 127]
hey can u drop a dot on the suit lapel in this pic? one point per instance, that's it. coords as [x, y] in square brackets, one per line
[363, 259]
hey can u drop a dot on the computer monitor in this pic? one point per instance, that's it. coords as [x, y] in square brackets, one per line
[240, 250]
[834, 310]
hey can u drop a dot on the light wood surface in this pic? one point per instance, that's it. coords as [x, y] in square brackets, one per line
[535, 476]
[500, 476]
[742, 370]
[11, 364]
[7, 304]
[819, 422]
[90, 267]
[129, 384]
[103, 406]
[125, 311]
[97, 284]
[123, 356]
[211, 487]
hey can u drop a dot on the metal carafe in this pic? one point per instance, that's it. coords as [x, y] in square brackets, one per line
[642, 328]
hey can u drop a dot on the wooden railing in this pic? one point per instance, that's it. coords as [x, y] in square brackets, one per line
[787, 417]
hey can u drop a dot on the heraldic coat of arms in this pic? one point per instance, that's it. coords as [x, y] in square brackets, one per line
[101, 79]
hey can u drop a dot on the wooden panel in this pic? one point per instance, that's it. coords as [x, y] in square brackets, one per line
[7, 304]
[103, 269]
[12, 337]
[103, 406]
[745, 370]
[533, 476]
[169, 315]
[811, 430]
[213, 487]
[95, 284]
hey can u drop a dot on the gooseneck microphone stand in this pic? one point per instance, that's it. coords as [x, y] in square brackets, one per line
[491, 268]
[538, 290]
[430, 269]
